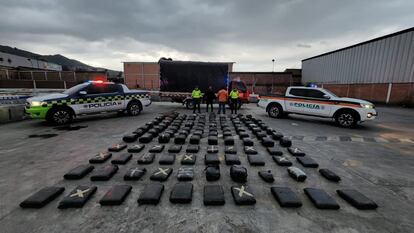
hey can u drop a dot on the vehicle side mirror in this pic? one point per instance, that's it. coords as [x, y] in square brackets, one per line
[83, 93]
[326, 97]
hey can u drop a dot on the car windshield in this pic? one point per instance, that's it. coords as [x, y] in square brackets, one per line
[75, 89]
[329, 92]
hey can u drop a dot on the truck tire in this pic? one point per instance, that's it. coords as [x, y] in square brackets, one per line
[346, 118]
[134, 108]
[60, 115]
[275, 111]
[189, 104]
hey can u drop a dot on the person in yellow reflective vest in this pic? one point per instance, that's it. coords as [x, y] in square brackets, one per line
[234, 100]
[196, 95]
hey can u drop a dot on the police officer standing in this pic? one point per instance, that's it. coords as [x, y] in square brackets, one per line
[209, 97]
[234, 99]
[196, 95]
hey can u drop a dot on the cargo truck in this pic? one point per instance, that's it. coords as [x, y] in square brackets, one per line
[178, 79]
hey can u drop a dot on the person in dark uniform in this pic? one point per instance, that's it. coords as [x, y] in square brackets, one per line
[209, 97]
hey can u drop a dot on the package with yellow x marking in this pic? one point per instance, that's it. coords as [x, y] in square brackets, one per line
[77, 197]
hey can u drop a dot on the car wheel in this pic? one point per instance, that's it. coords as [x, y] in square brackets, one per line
[134, 108]
[189, 104]
[275, 111]
[60, 116]
[346, 119]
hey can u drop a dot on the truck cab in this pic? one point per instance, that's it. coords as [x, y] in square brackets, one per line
[319, 102]
[241, 87]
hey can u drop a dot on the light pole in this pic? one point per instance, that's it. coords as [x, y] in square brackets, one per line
[273, 68]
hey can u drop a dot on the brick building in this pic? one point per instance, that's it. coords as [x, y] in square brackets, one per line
[263, 83]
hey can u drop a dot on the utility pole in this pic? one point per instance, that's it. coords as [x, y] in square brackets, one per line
[273, 61]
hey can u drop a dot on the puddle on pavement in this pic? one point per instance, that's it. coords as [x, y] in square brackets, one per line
[44, 136]
[70, 127]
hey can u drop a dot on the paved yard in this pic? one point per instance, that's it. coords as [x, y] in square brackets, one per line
[376, 158]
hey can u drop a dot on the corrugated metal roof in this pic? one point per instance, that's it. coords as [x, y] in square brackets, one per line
[389, 59]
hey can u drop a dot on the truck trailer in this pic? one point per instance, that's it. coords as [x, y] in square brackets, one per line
[178, 79]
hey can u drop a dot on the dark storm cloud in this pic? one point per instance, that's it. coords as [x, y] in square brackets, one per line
[251, 31]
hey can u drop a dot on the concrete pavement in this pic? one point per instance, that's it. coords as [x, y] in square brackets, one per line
[375, 158]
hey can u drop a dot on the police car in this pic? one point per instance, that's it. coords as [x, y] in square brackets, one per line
[319, 102]
[87, 98]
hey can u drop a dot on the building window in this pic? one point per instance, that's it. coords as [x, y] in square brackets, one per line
[9, 60]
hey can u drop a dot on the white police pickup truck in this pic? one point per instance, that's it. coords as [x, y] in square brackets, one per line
[319, 102]
[87, 98]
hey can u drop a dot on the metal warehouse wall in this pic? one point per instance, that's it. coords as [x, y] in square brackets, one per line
[388, 59]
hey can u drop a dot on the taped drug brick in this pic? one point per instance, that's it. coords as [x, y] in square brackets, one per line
[117, 147]
[151, 194]
[212, 149]
[230, 150]
[285, 142]
[121, 158]
[232, 159]
[130, 138]
[135, 173]
[42, 197]
[267, 176]
[212, 172]
[188, 159]
[296, 152]
[78, 172]
[174, 149]
[146, 138]
[357, 199]
[267, 142]
[146, 158]
[77, 197]
[167, 159]
[238, 173]
[116, 195]
[297, 174]
[321, 199]
[255, 160]
[136, 148]
[185, 173]
[180, 139]
[243, 195]
[211, 159]
[248, 142]
[250, 150]
[164, 138]
[192, 149]
[307, 162]
[212, 140]
[100, 158]
[182, 193]
[286, 197]
[274, 151]
[229, 141]
[195, 139]
[156, 149]
[213, 195]
[104, 173]
[329, 175]
[161, 174]
[282, 161]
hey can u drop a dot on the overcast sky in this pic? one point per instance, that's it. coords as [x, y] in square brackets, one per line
[251, 33]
